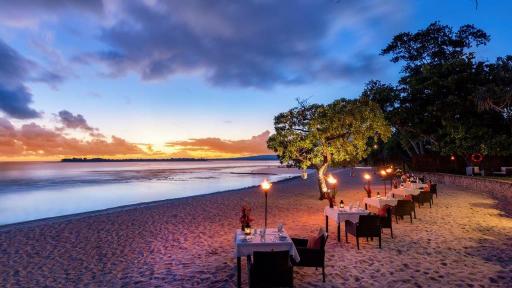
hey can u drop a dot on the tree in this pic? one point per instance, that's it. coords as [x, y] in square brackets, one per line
[340, 133]
[446, 101]
[496, 94]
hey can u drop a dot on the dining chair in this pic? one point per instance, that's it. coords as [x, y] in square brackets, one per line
[368, 226]
[311, 257]
[403, 208]
[387, 221]
[270, 269]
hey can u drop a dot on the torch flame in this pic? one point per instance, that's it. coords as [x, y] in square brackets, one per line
[265, 185]
[367, 176]
[331, 179]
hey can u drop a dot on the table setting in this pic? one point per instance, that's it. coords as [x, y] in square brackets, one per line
[260, 239]
[342, 214]
[405, 191]
[380, 202]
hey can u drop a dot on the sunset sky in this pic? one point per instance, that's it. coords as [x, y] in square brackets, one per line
[179, 78]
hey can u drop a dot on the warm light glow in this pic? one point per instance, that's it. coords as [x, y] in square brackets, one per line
[265, 185]
[452, 157]
[382, 172]
[389, 170]
[367, 176]
[331, 180]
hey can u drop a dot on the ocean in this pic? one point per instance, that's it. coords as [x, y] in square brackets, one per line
[36, 190]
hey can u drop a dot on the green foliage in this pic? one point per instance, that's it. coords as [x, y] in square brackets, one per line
[339, 133]
[446, 101]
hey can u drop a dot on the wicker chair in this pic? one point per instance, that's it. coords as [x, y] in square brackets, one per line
[403, 208]
[433, 189]
[426, 197]
[422, 198]
[271, 269]
[387, 221]
[310, 257]
[368, 226]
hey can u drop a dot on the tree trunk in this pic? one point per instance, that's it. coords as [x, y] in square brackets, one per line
[321, 169]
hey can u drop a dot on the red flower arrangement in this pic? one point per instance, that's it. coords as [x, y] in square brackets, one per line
[245, 219]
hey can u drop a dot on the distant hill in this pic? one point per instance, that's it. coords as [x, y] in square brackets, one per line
[257, 157]
[129, 160]
[247, 158]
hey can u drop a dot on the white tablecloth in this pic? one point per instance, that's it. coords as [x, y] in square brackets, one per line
[419, 185]
[271, 243]
[341, 215]
[415, 185]
[405, 191]
[380, 202]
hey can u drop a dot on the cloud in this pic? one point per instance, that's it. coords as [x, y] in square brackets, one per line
[8, 144]
[37, 141]
[248, 43]
[28, 13]
[15, 102]
[15, 70]
[255, 146]
[77, 121]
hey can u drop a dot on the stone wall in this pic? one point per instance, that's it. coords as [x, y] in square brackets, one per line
[500, 190]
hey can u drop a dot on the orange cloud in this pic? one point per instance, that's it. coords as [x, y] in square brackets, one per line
[34, 141]
[256, 145]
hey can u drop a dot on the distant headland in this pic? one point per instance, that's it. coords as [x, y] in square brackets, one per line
[247, 158]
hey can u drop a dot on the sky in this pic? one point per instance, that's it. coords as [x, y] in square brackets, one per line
[158, 79]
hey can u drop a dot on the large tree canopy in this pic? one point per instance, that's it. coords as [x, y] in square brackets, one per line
[339, 133]
[446, 101]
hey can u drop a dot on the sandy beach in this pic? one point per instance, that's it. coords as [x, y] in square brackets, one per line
[462, 241]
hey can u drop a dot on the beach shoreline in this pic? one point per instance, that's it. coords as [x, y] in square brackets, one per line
[463, 240]
[50, 220]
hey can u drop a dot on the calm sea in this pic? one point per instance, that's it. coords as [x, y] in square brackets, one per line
[30, 191]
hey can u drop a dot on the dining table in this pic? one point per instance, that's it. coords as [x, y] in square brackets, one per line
[419, 185]
[379, 202]
[340, 215]
[272, 240]
[404, 191]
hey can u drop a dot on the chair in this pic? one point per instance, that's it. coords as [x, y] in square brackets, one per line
[403, 208]
[433, 189]
[368, 226]
[387, 221]
[310, 257]
[422, 198]
[426, 197]
[270, 269]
